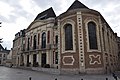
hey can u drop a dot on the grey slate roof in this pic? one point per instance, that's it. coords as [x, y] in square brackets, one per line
[3, 50]
[77, 5]
[49, 13]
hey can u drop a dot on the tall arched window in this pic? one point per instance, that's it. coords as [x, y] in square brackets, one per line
[68, 37]
[92, 35]
[43, 40]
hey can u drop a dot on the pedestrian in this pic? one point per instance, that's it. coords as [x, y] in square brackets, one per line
[115, 77]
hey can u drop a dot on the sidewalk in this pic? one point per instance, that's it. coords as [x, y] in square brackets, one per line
[71, 76]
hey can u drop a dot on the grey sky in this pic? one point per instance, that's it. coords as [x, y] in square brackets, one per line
[16, 15]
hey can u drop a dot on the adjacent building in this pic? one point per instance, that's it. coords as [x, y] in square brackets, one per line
[3, 55]
[9, 60]
[77, 41]
[18, 48]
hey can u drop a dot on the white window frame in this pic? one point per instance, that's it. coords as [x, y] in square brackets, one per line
[68, 21]
[97, 35]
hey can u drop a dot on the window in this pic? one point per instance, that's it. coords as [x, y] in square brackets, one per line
[68, 37]
[56, 39]
[48, 37]
[34, 44]
[108, 41]
[38, 38]
[92, 35]
[43, 40]
[103, 33]
[28, 47]
[31, 41]
[4, 55]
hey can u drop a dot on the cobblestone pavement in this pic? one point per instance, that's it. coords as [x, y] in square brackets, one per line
[19, 74]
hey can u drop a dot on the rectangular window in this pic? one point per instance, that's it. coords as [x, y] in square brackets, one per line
[56, 39]
[104, 39]
[48, 37]
[38, 38]
[108, 42]
[28, 44]
[31, 41]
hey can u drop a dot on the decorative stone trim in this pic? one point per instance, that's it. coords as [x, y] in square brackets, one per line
[63, 60]
[97, 59]
[81, 42]
[87, 20]
[68, 21]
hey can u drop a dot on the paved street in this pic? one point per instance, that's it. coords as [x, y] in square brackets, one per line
[19, 74]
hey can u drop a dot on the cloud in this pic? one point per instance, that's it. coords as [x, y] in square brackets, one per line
[6, 9]
[18, 14]
[7, 44]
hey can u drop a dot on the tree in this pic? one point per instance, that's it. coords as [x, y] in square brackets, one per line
[1, 41]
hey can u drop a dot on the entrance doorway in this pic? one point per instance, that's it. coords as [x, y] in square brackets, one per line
[43, 59]
[18, 62]
[34, 60]
[27, 60]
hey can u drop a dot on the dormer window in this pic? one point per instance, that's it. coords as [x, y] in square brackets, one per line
[42, 17]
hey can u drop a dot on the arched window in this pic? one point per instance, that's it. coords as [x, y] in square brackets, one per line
[68, 37]
[92, 35]
[43, 40]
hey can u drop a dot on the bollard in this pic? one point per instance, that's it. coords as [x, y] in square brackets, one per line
[106, 78]
[55, 78]
[30, 78]
[81, 79]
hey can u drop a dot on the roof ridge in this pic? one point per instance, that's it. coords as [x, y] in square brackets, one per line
[76, 5]
[46, 14]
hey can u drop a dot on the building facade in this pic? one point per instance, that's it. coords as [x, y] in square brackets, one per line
[18, 48]
[118, 40]
[77, 41]
[3, 55]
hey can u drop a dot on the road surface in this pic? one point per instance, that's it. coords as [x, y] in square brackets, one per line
[20, 74]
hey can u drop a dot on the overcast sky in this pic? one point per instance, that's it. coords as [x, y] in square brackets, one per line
[16, 15]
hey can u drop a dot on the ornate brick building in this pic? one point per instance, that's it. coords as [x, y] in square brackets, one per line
[77, 41]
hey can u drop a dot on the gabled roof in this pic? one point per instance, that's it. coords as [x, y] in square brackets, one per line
[49, 13]
[77, 5]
